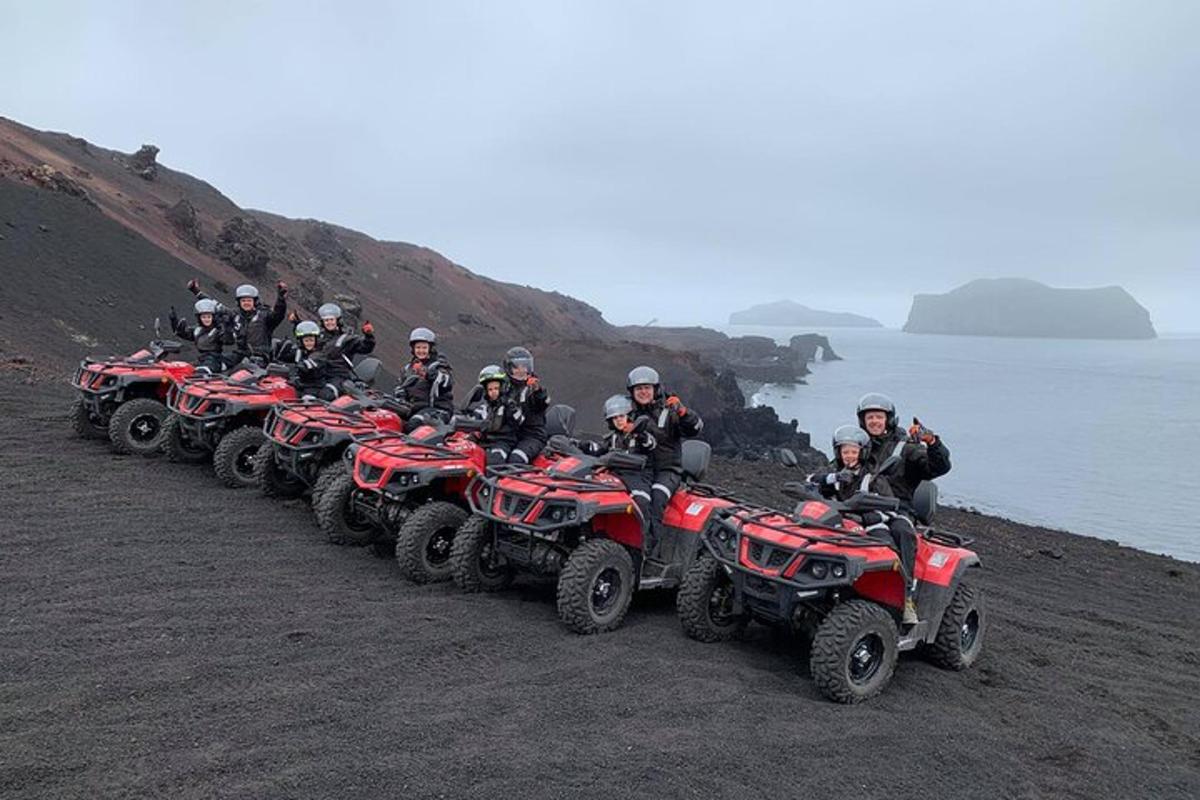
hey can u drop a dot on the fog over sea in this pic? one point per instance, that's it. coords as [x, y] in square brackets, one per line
[1096, 437]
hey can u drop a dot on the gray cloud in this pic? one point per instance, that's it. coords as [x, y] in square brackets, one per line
[673, 161]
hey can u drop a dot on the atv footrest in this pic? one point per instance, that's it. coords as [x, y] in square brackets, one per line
[914, 636]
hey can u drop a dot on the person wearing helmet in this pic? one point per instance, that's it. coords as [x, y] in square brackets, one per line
[525, 392]
[919, 453]
[211, 334]
[494, 406]
[847, 473]
[670, 421]
[627, 434]
[426, 387]
[253, 323]
[307, 362]
[339, 346]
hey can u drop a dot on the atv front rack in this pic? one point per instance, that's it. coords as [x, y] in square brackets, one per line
[313, 417]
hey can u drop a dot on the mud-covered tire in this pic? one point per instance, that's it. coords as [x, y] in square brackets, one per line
[178, 448]
[272, 480]
[959, 640]
[595, 587]
[336, 517]
[81, 422]
[471, 563]
[854, 651]
[425, 540]
[705, 603]
[233, 460]
[136, 427]
[328, 473]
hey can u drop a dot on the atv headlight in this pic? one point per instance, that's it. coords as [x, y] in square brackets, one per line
[351, 452]
[818, 569]
[559, 512]
[838, 570]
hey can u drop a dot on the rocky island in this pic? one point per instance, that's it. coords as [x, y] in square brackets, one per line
[788, 312]
[1026, 308]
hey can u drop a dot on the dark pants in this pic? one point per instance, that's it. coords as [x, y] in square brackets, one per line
[662, 485]
[214, 362]
[525, 451]
[638, 483]
[904, 535]
[497, 452]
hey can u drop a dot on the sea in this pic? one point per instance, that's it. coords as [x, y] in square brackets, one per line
[1100, 438]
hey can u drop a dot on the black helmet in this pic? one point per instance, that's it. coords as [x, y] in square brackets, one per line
[877, 402]
[640, 376]
[848, 434]
[617, 405]
[307, 328]
[245, 290]
[206, 306]
[492, 372]
[329, 310]
[518, 357]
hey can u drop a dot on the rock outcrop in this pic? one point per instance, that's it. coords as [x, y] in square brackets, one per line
[144, 163]
[185, 223]
[755, 358]
[787, 312]
[1024, 308]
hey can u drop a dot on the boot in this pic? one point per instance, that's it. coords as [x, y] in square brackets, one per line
[910, 612]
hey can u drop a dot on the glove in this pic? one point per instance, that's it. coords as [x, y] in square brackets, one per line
[293, 317]
[418, 368]
[843, 476]
[589, 447]
[193, 286]
[919, 433]
[282, 288]
[533, 383]
[368, 329]
[676, 405]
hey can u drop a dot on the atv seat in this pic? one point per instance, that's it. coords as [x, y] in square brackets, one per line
[560, 421]
[924, 502]
[695, 458]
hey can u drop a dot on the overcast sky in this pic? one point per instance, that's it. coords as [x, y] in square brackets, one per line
[671, 160]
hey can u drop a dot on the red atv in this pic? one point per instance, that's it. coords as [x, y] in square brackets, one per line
[822, 571]
[222, 416]
[123, 399]
[576, 521]
[306, 440]
[406, 493]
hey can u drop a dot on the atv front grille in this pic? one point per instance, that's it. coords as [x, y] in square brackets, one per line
[515, 506]
[768, 556]
[369, 474]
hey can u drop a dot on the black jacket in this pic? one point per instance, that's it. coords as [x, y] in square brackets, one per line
[308, 369]
[861, 481]
[500, 416]
[427, 384]
[669, 430]
[339, 349]
[917, 462]
[530, 405]
[208, 340]
[253, 330]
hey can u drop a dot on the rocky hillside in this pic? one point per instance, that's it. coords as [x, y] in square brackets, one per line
[95, 243]
[1019, 307]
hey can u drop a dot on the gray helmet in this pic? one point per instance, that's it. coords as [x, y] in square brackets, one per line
[518, 357]
[875, 401]
[850, 434]
[330, 310]
[639, 376]
[616, 405]
[307, 328]
[422, 335]
[206, 306]
[492, 372]
[245, 290]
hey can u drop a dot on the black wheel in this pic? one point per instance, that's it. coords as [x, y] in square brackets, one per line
[179, 447]
[136, 427]
[473, 564]
[959, 638]
[326, 474]
[272, 479]
[854, 651]
[595, 587]
[705, 603]
[233, 460]
[424, 541]
[82, 423]
[337, 516]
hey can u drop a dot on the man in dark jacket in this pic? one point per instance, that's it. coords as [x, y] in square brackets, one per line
[211, 334]
[253, 323]
[530, 400]
[425, 392]
[339, 346]
[669, 422]
[920, 454]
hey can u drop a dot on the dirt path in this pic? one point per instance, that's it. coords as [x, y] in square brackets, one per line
[163, 636]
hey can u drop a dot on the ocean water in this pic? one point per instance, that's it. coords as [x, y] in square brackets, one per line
[1096, 437]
